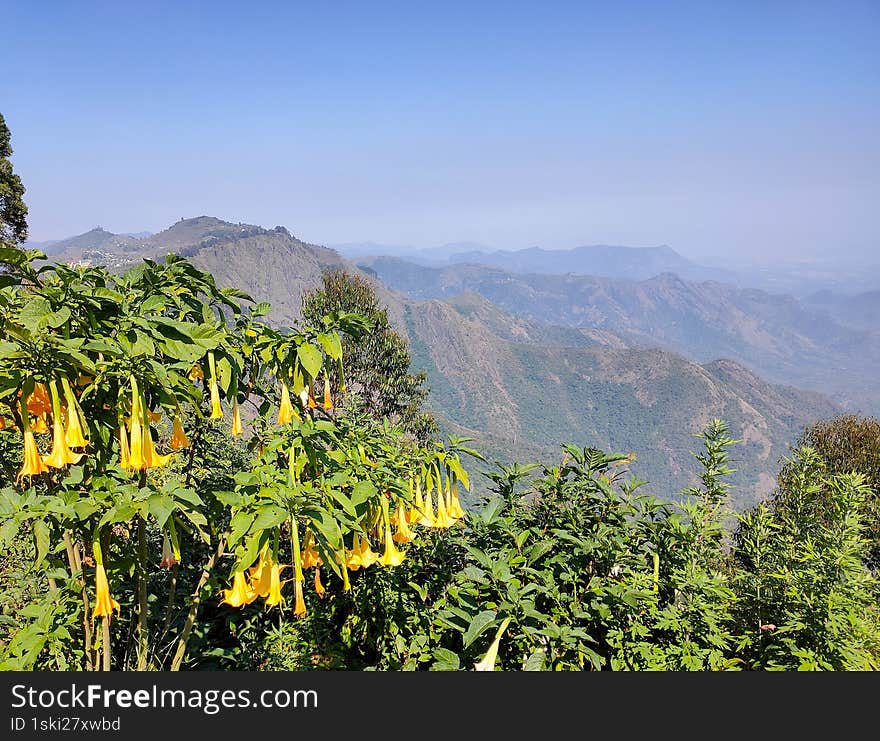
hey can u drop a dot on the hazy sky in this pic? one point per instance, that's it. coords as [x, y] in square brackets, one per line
[712, 127]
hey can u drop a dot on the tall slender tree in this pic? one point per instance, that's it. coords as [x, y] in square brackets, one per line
[13, 211]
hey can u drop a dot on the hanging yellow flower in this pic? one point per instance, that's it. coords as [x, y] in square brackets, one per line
[179, 440]
[319, 588]
[455, 508]
[124, 453]
[60, 455]
[151, 457]
[310, 402]
[104, 603]
[33, 463]
[216, 410]
[391, 556]
[403, 534]
[328, 399]
[39, 403]
[274, 597]
[196, 373]
[300, 607]
[260, 575]
[136, 460]
[415, 512]
[75, 437]
[286, 412]
[237, 428]
[310, 556]
[361, 555]
[241, 594]
[41, 426]
[427, 519]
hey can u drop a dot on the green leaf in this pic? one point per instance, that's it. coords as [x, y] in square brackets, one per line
[268, 516]
[310, 358]
[479, 624]
[445, 661]
[161, 507]
[535, 662]
[363, 491]
[224, 374]
[331, 344]
[41, 540]
[239, 525]
[34, 312]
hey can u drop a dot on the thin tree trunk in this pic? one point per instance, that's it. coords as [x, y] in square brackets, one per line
[75, 564]
[180, 653]
[143, 635]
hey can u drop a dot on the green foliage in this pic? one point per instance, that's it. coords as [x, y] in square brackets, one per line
[13, 211]
[806, 599]
[848, 444]
[378, 361]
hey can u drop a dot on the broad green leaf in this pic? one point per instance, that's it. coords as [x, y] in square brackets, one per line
[310, 358]
[445, 661]
[41, 540]
[478, 625]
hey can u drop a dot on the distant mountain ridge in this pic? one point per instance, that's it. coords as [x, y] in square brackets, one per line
[777, 336]
[634, 263]
[516, 383]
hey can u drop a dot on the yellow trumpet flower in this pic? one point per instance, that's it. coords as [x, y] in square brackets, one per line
[216, 410]
[60, 455]
[310, 556]
[286, 412]
[33, 463]
[104, 603]
[75, 437]
[39, 403]
[415, 512]
[124, 453]
[310, 401]
[40, 425]
[455, 508]
[403, 534]
[300, 608]
[136, 459]
[151, 457]
[391, 556]
[154, 417]
[360, 555]
[274, 597]
[196, 373]
[241, 594]
[237, 429]
[442, 520]
[328, 399]
[260, 575]
[319, 588]
[179, 440]
[427, 519]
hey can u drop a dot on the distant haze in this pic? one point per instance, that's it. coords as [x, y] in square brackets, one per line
[740, 131]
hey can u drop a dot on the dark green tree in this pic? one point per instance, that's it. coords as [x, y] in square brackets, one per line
[13, 211]
[847, 444]
[377, 364]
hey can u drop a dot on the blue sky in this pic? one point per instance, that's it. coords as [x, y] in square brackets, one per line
[748, 129]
